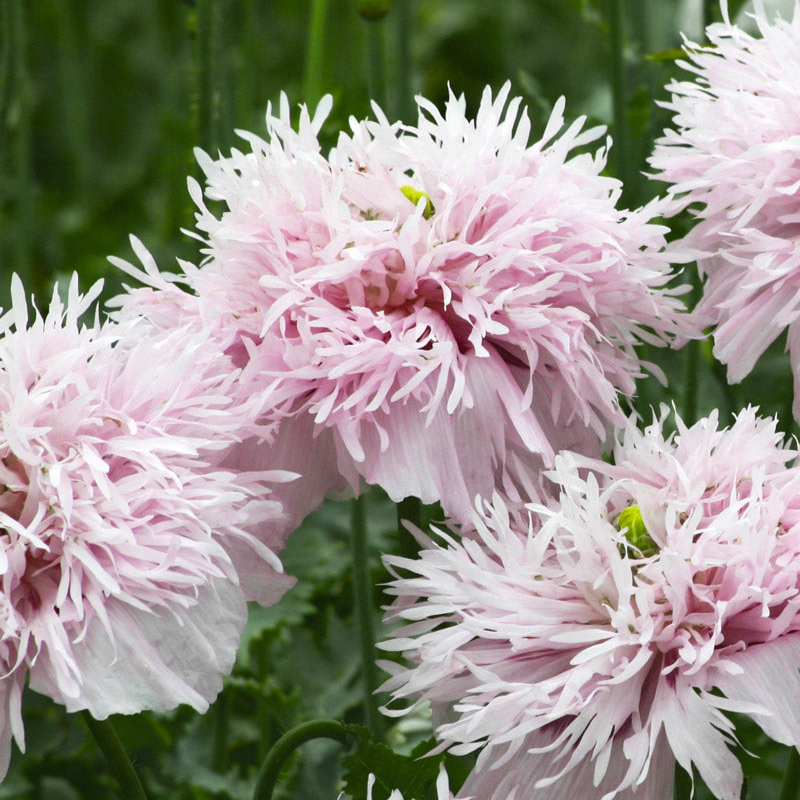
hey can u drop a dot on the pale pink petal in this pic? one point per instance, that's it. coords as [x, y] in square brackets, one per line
[518, 781]
[770, 678]
[310, 455]
[153, 659]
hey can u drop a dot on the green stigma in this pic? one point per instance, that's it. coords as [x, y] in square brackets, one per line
[414, 196]
[636, 533]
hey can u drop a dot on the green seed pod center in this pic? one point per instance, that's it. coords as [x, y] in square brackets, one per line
[414, 196]
[630, 520]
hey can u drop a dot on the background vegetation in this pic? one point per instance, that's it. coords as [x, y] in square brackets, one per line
[100, 106]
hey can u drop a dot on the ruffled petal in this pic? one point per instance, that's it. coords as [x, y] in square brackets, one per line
[151, 659]
[770, 678]
[518, 780]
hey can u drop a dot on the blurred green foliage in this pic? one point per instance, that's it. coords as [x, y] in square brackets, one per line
[102, 103]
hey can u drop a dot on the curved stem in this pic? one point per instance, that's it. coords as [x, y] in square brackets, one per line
[117, 757]
[362, 588]
[288, 743]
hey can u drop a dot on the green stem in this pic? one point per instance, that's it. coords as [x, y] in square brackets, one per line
[6, 62]
[117, 757]
[249, 79]
[404, 64]
[691, 364]
[362, 588]
[288, 743]
[729, 392]
[789, 423]
[22, 156]
[683, 784]
[376, 62]
[619, 89]
[315, 51]
[207, 64]
[72, 75]
[410, 510]
[221, 730]
[791, 781]
[708, 12]
[641, 26]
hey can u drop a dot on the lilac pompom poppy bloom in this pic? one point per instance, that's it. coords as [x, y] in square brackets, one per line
[587, 645]
[433, 308]
[122, 554]
[734, 157]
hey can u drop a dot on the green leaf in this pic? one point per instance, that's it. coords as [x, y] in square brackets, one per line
[414, 775]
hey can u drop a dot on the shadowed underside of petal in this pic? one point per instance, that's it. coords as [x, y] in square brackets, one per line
[453, 457]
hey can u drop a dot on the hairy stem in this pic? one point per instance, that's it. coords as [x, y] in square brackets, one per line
[288, 743]
[117, 757]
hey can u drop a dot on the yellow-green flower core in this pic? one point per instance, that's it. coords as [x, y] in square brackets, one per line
[414, 195]
[636, 533]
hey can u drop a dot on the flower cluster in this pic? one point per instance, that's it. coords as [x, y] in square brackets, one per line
[448, 295]
[126, 551]
[734, 158]
[448, 310]
[587, 644]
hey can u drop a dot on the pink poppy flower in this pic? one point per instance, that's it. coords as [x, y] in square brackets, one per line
[734, 157]
[586, 646]
[434, 308]
[123, 543]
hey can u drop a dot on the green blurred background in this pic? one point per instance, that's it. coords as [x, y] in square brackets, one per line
[102, 102]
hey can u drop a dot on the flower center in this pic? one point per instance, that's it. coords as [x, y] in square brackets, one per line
[631, 524]
[414, 195]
